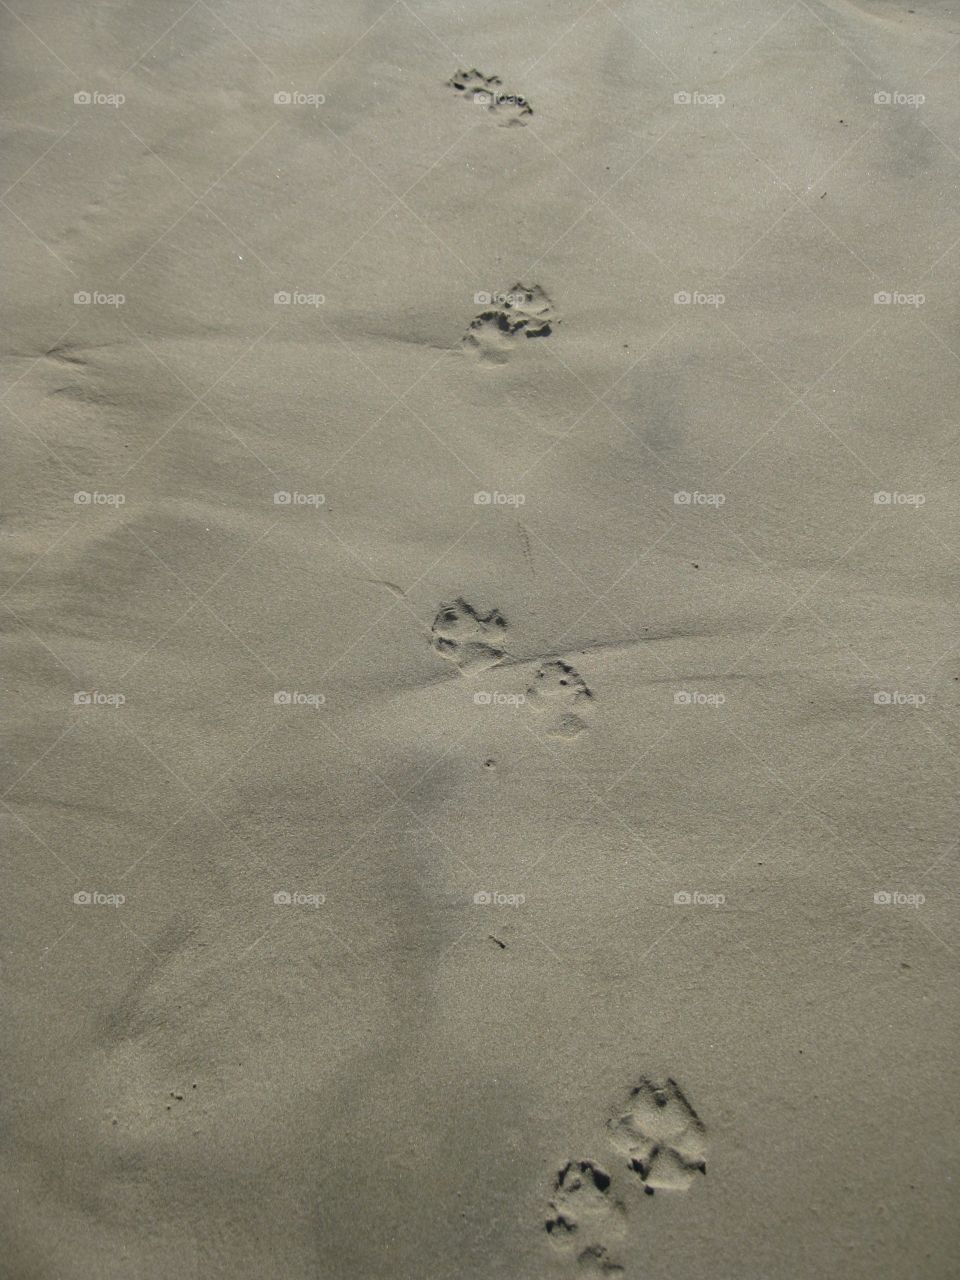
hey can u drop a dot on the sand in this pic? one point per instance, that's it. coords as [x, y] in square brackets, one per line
[481, 664]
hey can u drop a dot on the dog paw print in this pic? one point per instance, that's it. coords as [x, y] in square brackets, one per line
[470, 640]
[512, 109]
[582, 1208]
[560, 691]
[521, 312]
[662, 1137]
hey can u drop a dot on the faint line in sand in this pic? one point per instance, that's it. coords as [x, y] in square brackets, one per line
[197, 199]
[799, 398]
[453, 54]
[50, 947]
[653, 53]
[40, 440]
[190, 591]
[52, 52]
[163, 36]
[871, 271]
[69, 729]
[33, 363]
[563, 35]
[39, 238]
[194, 803]
[843, 43]
[194, 604]
[471, 273]
[233, 33]
[33, 565]
[199, 400]
[243, 155]
[749, 49]
[17, 182]
[209, 408]
[38, 639]
[39, 839]
[377, 20]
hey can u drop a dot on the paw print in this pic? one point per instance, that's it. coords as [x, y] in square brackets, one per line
[559, 689]
[662, 1136]
[463, 636]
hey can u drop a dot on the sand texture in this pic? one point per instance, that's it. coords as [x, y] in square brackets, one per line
[481, 654]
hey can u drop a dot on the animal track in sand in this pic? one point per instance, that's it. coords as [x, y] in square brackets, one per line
[581, 1207]
[472, 641]
[560, 690]
[487, 92]
[508, 317]
[662, 1136]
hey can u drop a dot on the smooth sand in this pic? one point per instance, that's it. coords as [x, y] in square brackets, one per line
[710, 662]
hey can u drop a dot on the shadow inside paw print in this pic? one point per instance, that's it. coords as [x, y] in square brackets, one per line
[662, 1136]
[488, 92]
